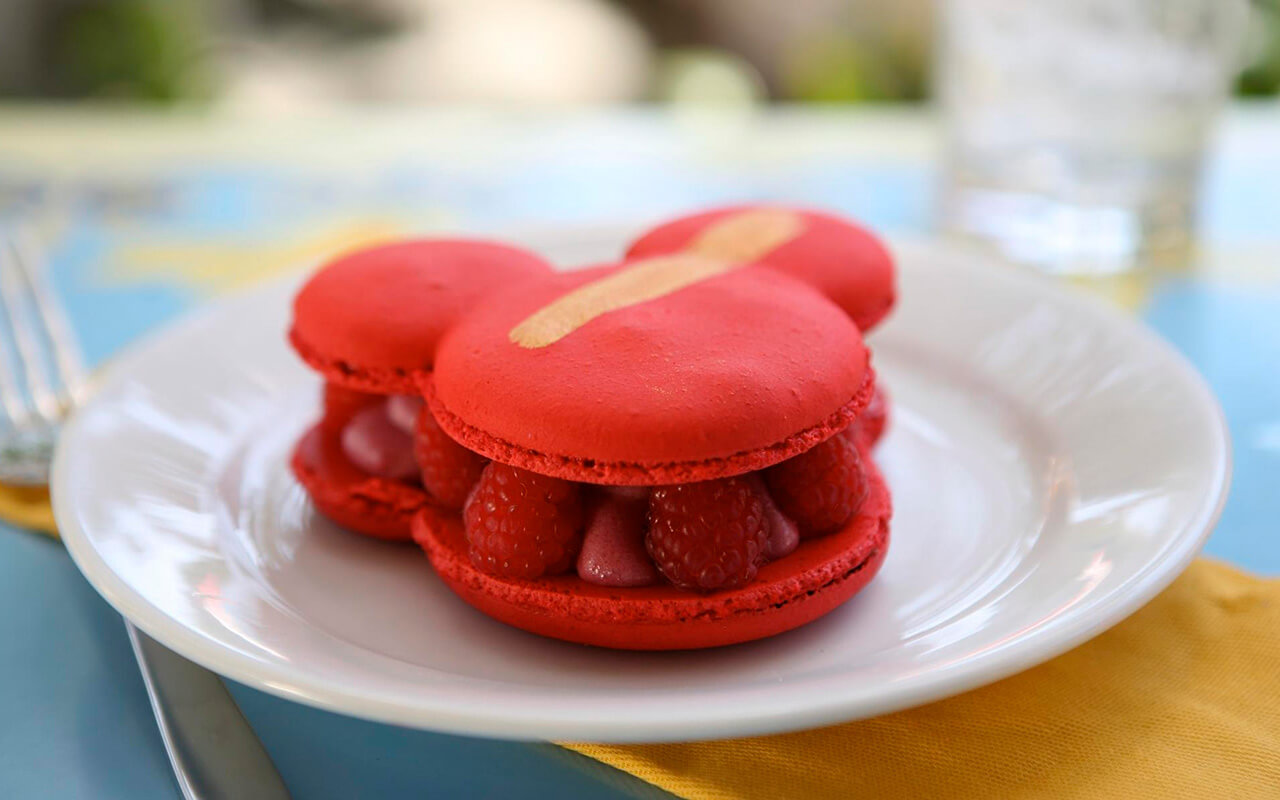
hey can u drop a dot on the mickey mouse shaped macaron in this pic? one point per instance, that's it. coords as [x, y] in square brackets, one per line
[668, 452]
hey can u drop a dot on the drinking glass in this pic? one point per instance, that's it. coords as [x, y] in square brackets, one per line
[1075, 129]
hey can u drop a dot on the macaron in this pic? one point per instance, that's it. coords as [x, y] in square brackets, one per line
[379, 507]
[369, 322]
[843, 260]
[697, 406]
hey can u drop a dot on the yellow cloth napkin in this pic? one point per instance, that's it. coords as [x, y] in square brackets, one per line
[27, 508]
[1181, 700]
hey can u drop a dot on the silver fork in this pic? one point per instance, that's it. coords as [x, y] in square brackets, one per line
[42, 376]
[213, 751]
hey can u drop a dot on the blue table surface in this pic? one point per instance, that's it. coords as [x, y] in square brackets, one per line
[140, 240]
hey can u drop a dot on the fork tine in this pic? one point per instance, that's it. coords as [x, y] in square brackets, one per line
[66, 350]
[12, 400]
[43, 401]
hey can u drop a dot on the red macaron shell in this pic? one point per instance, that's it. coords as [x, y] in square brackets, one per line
[724, 376]
[818, 577]
[842, 260]
[371, 320]
[373, 506]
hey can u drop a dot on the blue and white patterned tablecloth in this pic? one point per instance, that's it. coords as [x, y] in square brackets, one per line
[150, 215]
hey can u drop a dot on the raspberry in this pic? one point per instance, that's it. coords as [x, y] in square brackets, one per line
[341, 404]
[822, 488]
[523, 525]
[707, 535]
[449, 470]
[869, 426]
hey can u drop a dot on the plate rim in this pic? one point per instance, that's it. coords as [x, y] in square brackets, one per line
[1032, 648]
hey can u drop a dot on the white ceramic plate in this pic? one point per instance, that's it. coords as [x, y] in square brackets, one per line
[1053, 466]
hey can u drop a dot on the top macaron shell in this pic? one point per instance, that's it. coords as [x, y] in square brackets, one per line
[726, 375]
[842, 260]
[371, 320]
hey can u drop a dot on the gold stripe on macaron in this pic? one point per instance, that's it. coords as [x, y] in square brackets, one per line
[747, 235]
[722, 246]
[646, 279]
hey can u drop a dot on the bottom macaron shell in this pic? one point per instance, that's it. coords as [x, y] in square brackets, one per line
[819, 576]
[373, 506]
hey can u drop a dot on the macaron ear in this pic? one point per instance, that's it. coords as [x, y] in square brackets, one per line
[842, 260]
[371, 319]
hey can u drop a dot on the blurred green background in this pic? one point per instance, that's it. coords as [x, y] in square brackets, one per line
[306, 53]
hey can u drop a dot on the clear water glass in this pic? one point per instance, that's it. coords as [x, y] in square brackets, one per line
[1075, 129]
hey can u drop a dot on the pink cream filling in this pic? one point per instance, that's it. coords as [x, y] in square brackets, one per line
[613, 551]
[784, 534]
[402, 410]
[377, 445]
